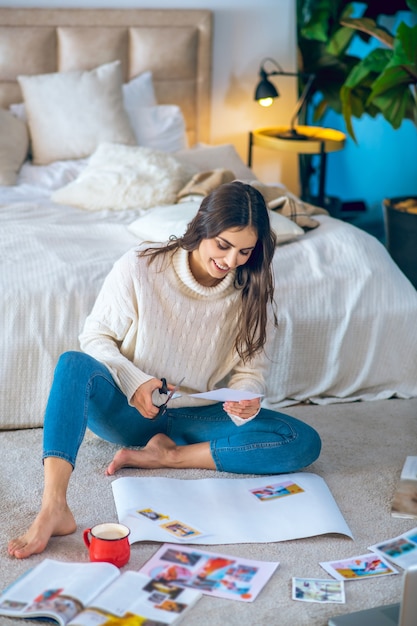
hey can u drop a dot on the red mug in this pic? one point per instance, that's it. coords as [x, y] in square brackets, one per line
[108, 542]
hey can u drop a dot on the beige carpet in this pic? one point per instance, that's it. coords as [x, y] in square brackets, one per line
[364, 448]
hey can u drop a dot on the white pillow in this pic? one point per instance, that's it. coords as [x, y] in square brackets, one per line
[224, 156]
[161, 222]
[14, 145]
[159, 127]
[122, 177]
[284, 228]
[71, 113]
[51, 176]
[138, 92]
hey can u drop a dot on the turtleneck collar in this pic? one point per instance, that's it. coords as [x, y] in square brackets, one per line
[181, 264]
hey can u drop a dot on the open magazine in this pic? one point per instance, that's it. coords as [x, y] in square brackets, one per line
[86, 594]
[214, 574]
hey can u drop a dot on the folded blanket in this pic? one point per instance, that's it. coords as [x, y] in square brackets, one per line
[277, 198]
[289, 205]
[203, 183]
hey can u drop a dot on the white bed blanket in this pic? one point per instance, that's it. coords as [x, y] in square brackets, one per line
[347, 320]
[347, 315]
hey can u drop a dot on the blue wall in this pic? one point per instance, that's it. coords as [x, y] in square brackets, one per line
[382, 164]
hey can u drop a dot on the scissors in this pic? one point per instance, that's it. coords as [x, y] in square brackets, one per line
[164, 390]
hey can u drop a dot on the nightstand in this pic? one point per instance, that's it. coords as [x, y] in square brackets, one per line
[317, 140]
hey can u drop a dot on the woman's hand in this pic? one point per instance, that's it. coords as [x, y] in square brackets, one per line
[142, 398]
[243, 409]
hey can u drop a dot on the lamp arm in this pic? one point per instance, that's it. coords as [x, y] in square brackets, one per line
[273, 73]
[302, 100]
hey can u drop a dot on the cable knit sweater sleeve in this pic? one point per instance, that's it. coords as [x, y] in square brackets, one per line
[111, 327]
[154, 320]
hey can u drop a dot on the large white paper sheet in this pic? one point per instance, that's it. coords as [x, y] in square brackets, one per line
[226, 511]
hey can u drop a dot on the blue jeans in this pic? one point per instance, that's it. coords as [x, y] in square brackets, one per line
[84, 394]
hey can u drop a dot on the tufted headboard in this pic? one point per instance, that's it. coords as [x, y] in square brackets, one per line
[174, 44]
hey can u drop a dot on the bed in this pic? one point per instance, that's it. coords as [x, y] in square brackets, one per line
[137, 84]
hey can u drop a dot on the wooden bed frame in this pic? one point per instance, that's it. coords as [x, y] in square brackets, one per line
[174, 44]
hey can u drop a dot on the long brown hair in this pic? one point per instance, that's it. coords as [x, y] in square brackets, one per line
[237, 205]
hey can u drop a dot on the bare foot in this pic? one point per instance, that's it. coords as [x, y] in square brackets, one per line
[153, 455]
[47, 524]
[161, 451]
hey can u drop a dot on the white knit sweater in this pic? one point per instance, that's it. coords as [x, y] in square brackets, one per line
[147, 323]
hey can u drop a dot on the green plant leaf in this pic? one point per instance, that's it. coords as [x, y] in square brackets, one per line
[412, 4]
[390, 78]
[405, 48]
[314, 18]
[368, 26]
[321, 109]
[396, 105]
[317, 28]
[383, 82]
[346, 97]
[355, 97]
[391, 89]
[374, 63]
[340, 41]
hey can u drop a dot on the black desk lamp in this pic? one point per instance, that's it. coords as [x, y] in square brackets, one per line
[265, 92]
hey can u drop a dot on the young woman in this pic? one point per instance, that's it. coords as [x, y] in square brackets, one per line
[197, 308]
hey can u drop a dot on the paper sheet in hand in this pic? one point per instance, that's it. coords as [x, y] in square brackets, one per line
[226, 395]
[224, 511]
